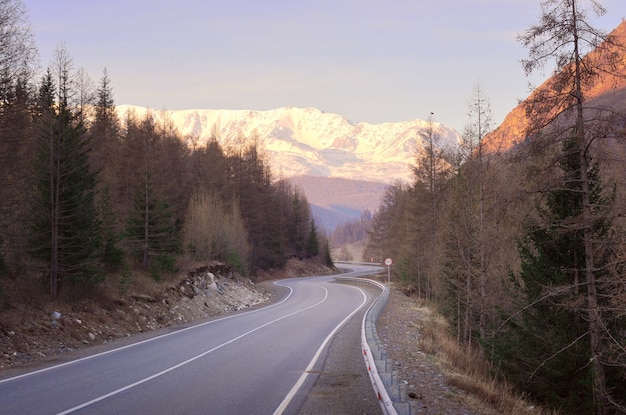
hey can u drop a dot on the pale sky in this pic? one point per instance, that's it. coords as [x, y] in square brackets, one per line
[370, 61]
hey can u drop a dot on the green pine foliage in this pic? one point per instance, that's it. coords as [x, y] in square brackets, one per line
[151, 233]
[259, 204]
[112, 254]
[545, 348]
[17, 150]
[65, 228]
[327, 259]
[312, 247]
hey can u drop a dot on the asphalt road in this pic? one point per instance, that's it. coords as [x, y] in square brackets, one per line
[258, 362]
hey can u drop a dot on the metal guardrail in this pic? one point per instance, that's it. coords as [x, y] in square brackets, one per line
[391, 392]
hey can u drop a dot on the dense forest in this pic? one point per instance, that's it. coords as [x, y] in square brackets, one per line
[522, 248]
[88, 194]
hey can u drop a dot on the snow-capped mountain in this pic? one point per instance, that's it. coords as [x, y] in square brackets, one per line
[307, 141]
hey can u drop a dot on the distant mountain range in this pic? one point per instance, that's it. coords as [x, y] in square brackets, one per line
[342, 167]
[309, 142]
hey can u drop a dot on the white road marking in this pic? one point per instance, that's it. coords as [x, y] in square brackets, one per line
[283, 405]
[156, 375]
[148, 340]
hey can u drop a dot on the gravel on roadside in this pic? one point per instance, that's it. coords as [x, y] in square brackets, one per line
[399, 329]
[343, 386]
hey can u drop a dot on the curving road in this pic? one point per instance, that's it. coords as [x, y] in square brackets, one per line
[257, 362]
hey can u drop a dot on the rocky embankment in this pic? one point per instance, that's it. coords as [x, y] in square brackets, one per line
[32, 332]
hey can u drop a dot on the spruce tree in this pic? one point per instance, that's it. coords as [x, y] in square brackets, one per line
[17, 150]
[151, 232]
[65, 230]
[105, 113]
[545, 348]
[112, 255]
[313, 248]
[326, 256]
[560, 111]
[105, 130]
[259, 207]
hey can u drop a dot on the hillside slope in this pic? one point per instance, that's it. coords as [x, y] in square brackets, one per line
[607, 94]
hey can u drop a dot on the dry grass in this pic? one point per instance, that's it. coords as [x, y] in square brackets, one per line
[468, 371]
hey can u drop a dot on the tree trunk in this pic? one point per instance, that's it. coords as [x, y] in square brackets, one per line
[482, 281]
[54, 211]
[468, 310]
[593, 313]
[146, 221]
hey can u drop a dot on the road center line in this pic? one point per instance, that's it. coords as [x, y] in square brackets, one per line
[163, 372]
[195, 326]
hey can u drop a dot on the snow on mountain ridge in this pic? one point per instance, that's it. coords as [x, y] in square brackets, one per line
[307, 141]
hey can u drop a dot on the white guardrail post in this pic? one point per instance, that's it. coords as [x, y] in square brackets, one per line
[391, 393]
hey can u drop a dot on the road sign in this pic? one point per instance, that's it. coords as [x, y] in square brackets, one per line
[388, 261]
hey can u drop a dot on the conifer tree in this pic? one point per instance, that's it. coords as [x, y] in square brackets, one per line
[546, 348]
[259, 208]
[564, 251]
[112, 255]
[151, 232]
[17, 146]
[17, 149]
[299, 222]
[325, 252]
[312, 247]
[65, 227]
[105, 131]
[105, 113]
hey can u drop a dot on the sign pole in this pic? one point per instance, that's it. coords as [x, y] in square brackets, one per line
[388, 262]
